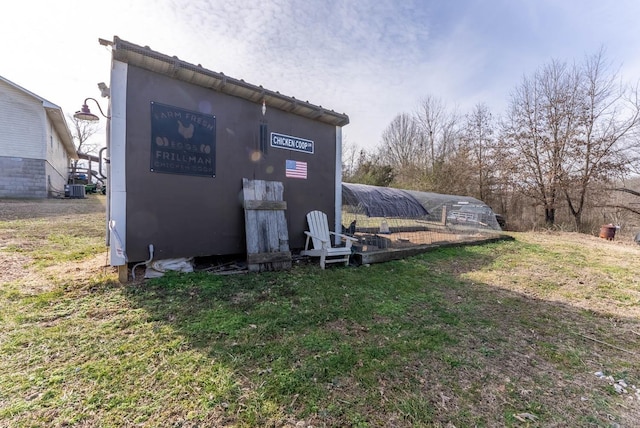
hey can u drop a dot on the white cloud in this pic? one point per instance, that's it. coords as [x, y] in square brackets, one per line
[369, 59]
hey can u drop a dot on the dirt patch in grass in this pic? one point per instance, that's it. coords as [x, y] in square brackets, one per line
[47, 243]
[15, 266]
[21, 209]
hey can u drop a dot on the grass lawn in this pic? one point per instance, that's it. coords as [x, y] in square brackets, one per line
[503, 334]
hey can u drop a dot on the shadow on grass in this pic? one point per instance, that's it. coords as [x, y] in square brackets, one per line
[404, 343]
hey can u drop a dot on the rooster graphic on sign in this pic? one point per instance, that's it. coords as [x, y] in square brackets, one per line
[185, 131]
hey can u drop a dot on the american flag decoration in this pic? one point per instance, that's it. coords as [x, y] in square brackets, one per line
[296, 169]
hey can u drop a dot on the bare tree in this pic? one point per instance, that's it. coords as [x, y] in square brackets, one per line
[478, 142]
[369, 169]
[438, 131]
[349, 158]
[400, 142]
[571, 127]
[442, 163]
[540, 123]
[82, 131]
[420, 148]
[626, 206]
[400, 149]
[601, 146]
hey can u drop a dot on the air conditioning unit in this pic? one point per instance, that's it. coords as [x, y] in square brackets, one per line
[74, 191]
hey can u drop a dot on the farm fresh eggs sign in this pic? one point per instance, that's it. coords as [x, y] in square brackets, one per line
[182, 141]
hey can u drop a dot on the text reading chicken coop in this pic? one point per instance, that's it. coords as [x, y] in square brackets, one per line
[182, 141]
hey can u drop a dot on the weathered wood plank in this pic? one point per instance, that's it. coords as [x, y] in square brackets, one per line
[251, 225]
[265, 205]
[266, 226]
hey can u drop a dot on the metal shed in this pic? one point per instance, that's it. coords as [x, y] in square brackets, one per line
[182, 138]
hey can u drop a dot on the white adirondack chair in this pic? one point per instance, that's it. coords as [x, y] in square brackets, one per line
[320, 237]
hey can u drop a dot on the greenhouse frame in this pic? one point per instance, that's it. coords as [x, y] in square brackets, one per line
[392, 223]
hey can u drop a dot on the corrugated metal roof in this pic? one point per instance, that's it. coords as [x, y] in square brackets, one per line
[148, 59]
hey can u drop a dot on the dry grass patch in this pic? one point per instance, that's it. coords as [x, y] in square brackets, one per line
[580, 270]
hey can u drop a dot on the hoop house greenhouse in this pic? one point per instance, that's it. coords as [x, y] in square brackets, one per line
[385, 219]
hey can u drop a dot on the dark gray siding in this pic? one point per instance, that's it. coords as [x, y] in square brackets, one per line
[185, 215]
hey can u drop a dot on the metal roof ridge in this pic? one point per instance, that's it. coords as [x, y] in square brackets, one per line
[257, 92]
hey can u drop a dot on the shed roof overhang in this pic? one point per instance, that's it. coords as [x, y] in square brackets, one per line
[175, 68]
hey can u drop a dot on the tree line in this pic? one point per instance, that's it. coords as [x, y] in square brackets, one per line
[569, 135]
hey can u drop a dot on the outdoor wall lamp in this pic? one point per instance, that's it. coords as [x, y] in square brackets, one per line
[85, 114]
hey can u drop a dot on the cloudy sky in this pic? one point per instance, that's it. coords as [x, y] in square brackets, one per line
[370, 59]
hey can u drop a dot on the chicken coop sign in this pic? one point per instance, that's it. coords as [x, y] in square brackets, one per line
[182, 141]
[282, 141]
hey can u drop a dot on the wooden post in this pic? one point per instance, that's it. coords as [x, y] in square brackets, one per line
[123, 274]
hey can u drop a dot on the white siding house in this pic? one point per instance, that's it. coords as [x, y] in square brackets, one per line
[35, 144]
